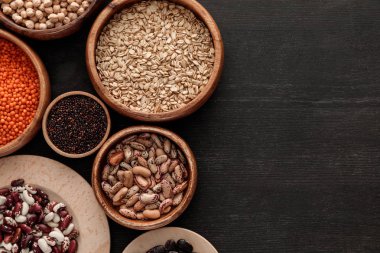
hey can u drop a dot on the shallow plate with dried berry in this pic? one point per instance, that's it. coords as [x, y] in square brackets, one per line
[170, 239]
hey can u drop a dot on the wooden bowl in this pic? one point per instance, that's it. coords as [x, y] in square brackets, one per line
[106, 203]
[54, 33]
[97, 28]
[35, 125]
[46, 115]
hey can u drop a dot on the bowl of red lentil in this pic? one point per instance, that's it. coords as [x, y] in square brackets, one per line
[76, 124]
[24, 93]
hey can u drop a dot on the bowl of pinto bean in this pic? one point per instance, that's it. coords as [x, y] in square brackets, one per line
[144, 177]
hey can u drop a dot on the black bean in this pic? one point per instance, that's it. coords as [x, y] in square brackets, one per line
[44, 202]
[157, 249]
[26, 241]
[170, 245]
[185, 246]
[17, 182]
[76, 124]
[42, 194]
[6, 229]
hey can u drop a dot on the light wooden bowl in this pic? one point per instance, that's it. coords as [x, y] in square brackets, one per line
[35, 125]
[150, 239]
[46, 115]
[54, 33]
[97, 28]
[106, 203]
[63, 184]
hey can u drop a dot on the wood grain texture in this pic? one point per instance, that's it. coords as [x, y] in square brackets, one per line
[288, 146]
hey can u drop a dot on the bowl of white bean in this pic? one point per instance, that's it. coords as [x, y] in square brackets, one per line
[46, 19]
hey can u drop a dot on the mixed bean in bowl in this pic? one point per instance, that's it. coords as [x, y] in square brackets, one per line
[144, 177]
[32, 223]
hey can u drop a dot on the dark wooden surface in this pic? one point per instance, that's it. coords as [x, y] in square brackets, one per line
[288, 146]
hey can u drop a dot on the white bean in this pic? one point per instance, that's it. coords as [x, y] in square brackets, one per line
[49, 240]
[20, 218]
[27, 197]
[57, 234]
[69, 229]
[10, 221]
[52, 224]
[58, 206]
[7, 246]
[2, 200]
[44, 246]
[49, 217]
[30, 189]
[56, 218]
[25, 208]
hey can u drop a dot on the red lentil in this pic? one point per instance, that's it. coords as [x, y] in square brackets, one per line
[19, 91]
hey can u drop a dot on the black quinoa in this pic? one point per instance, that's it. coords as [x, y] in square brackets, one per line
[76, 124]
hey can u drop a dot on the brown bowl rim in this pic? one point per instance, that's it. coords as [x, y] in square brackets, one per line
[201, 12]
[53, 33]
[104, 201]
[44, 96]
[46, 115]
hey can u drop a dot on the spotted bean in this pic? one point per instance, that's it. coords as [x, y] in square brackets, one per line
[132, 200]
[167, 203]
[120, 194]
[139, 206]
[129, 213]
[147, 198]
[132, 191]
[177, 199]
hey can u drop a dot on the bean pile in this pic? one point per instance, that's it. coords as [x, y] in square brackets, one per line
[181, 246]
[30, 222]
[44, 14]
[19, 91]
[145, 176]
[77, 124]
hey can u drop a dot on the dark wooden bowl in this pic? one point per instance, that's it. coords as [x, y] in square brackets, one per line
[35, 125]
[46, 115]
[97, 28]
[53, 33]
[106, 203]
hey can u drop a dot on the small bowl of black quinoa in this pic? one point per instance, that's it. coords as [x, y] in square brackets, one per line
[76, 124]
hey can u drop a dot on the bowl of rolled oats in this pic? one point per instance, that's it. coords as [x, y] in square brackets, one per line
[155, 60]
